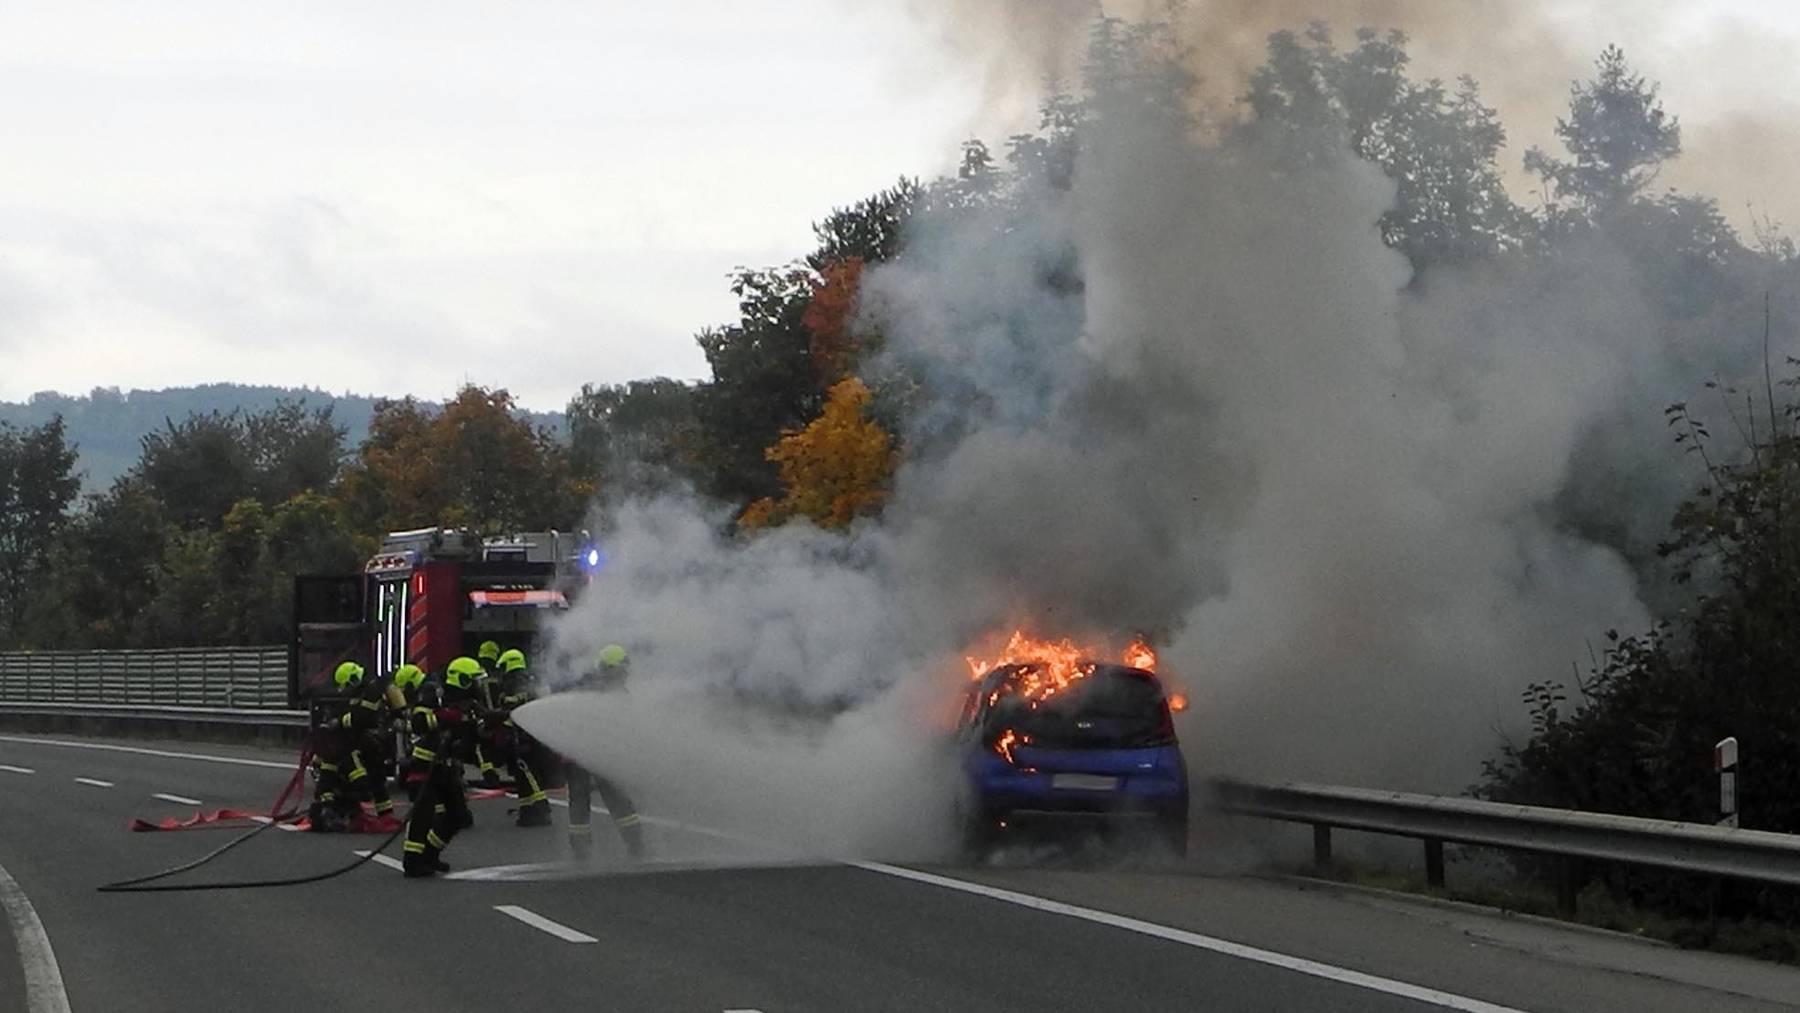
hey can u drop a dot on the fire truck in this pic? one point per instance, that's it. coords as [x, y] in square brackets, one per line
[428, 596]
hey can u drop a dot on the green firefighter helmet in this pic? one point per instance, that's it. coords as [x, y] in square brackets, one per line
[511, 660]
[348, 674]
[488, 651]
[612, 656]
[409, 676]
[462, 672]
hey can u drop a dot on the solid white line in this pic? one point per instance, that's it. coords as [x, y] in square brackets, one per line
[1389, 986]
[44, 992]
[97, 784]
[9, 768]
[392, 863]
[538, 921]
[177, 799]
[289, 827]
[103, 747]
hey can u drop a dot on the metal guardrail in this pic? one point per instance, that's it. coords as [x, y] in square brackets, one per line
[234, 717]
[251, 678]
[1569, 834]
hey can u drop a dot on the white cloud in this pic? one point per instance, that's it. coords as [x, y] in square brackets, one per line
[398, 197]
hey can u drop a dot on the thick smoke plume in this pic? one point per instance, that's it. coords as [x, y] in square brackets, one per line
[1727, 70]
[1192, 395]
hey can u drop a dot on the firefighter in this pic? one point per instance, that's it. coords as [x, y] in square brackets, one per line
[489, 656]
[348, 749]
[487, 752]
[610, 669]
[524, 754]
[441, 808]
[409, 679]
[465, 707]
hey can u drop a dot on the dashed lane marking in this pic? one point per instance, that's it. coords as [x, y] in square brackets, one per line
[289, 827]
[1329, 972]
[96, 783]
[44, 992]
[392, 863]
[542, 924]
[10, 769]
[141, 751]
[177, 799]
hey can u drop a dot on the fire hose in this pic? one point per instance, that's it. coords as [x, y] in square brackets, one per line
[149, 884]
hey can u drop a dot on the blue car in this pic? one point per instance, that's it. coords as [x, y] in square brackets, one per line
[1100, 750]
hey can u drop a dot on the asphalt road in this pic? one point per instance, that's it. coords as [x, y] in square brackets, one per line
[714, 924]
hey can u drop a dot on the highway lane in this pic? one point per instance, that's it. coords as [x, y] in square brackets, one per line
[681, 933]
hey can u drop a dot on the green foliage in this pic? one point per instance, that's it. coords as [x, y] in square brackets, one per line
[1617, 136]
[634, 439]
[202, 465]
[108, 425]
[1652, 706]
[37, 484]
[1310, 102]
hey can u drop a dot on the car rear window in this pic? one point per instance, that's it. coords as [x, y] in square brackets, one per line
[1114, 708]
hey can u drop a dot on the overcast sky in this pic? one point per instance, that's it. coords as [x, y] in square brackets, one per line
[395, 197]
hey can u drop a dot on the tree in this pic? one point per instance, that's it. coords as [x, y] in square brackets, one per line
[104, 570]
[634, 439]
[37, 484]
[198, 467]
[1640, 734]
[832, 471]
[474, 462]
[1310, 102]
[203, 465]
[1617, 136]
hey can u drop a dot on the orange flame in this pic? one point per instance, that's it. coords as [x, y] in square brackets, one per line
[1055, 664]
[1141, 655]
[1004, 745]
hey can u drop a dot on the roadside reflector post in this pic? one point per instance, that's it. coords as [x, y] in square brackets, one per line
[1434, 863]
[1725, 761]
[1322, 845]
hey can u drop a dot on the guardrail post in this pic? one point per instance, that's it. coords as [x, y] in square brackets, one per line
[1322, 845]
[1568, 884]
[1434, 863]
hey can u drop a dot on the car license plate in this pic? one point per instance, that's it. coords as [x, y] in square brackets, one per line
[1084, 782]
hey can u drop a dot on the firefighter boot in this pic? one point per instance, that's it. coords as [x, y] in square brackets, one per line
[537, 814]
[418, 866]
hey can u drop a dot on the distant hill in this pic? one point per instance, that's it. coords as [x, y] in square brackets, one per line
[106, 425]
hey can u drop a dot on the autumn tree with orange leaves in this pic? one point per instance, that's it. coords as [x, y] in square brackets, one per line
[834, 470]
[474, 462]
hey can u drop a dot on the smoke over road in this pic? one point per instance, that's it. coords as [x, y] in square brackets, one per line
[1189, 395]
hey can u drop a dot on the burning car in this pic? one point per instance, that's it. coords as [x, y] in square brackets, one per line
[1050, 736]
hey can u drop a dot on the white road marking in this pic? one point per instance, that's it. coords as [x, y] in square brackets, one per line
[44, 992]
[95, 783]
[177, 799]
[743, 1011]
[539, 922]
[289, 827]
[1374, 983]
[392, 863]
[103, 747]
[9, 768]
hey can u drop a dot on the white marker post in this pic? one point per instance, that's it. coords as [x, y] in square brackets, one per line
[1725, 761]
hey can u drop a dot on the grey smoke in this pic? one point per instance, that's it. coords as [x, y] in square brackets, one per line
[1331, 497]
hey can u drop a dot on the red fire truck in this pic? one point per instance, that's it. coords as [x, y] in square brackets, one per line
[428, 596]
